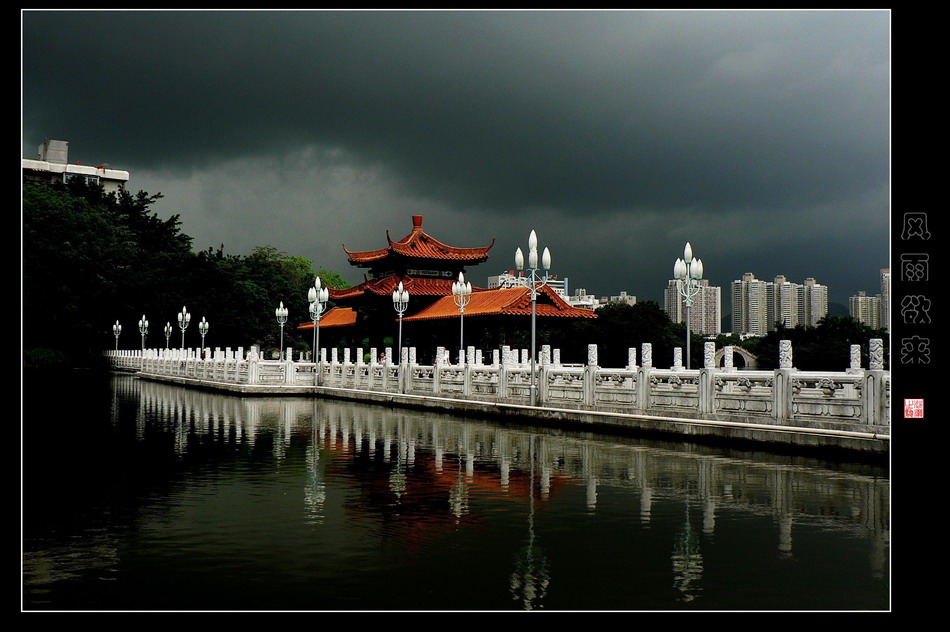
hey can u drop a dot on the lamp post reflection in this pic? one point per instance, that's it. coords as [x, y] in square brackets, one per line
[530, 579]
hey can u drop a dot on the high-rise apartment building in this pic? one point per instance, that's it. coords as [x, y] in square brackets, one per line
[783, 308]
[814, 303]
[750, 305]
[705, 312]
[866, 309]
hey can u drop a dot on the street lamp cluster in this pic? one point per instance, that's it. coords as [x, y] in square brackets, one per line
[318, 297]
[184, 318]
[537, 282]
[686, 271]
[400, 304]
[282, 314]
[462, 295]
[143, 329]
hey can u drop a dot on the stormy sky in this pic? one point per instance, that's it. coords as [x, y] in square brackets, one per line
[761, 137]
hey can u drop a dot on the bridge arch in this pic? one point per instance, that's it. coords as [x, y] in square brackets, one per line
[749, 361]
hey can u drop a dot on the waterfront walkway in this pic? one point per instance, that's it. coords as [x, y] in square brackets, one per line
[848, 409]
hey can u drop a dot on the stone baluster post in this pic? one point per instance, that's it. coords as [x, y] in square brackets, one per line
[253, 371]
[707, 379]
[290, 368]
[643, 376]
[437, 367]
[590, 375]
[505, 362]
[782, 391]
[677, 359]
[855, 367]
[873, 393]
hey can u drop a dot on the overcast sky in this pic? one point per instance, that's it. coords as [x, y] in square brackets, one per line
[761, 137]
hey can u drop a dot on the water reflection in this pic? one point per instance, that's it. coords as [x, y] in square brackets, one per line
[432, 485]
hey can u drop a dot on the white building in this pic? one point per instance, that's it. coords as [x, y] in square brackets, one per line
[52, 165]
[516, 278]
[814, 303]
[750, 305]
[705, 313]
[784, 305]
[866, 309]
[583, 300]
[623, 297]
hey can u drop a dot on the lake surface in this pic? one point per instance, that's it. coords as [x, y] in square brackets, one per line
[145, 496]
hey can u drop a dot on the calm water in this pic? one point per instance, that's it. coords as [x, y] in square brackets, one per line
[139, 495]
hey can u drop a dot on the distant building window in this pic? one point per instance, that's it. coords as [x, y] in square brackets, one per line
[90, 180]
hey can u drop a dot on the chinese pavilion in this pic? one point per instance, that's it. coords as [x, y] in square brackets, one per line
[427, 268]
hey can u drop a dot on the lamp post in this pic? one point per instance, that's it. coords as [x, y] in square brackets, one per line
[535, 286]
[400, 303]
[688, 270]
[203, 330]
[116, 331]
[461, 294]
[168, 333]
[183, 319]
[281, 313]
[318, 297]
[143, 329]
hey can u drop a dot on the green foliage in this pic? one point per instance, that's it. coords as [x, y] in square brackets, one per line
[90, 258]
[619, 326]
[826, 347]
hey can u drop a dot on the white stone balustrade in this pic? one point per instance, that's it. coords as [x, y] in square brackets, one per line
[854, 397]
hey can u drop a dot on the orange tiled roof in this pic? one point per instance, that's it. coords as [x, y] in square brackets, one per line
[384, 287]
[514, 301]
[336, 317]
[419, 245]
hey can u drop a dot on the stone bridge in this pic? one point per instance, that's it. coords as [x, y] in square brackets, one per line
[750, 361]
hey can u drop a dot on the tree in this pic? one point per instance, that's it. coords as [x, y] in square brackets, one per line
[91, 258]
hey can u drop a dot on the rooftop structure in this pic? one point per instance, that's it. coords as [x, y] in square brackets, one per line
[51, 165]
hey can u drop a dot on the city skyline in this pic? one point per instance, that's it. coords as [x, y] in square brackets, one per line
[761, 137]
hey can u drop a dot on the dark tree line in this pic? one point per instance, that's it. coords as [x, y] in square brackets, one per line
[91, 258]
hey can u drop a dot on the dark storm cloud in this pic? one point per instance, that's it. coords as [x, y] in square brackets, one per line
[500, 110]
[741, 120]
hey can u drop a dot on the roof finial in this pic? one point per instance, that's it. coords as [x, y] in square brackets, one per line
[417, 222]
